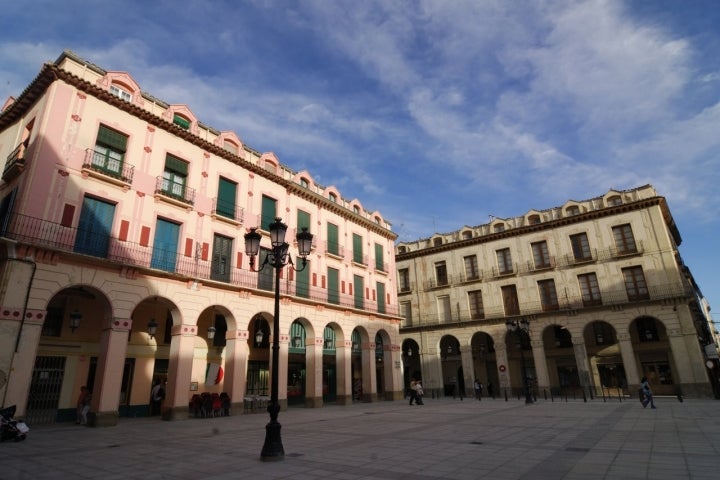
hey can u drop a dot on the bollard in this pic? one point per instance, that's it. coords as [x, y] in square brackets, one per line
[545, 394]
[506, 399]
[584, 396]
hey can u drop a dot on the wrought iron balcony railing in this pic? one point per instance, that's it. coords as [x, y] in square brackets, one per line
[55, 236]
[109, 165]
[15, 163]
[174, 190]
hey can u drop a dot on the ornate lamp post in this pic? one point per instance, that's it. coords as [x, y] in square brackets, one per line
[277, 258]
[521, 328]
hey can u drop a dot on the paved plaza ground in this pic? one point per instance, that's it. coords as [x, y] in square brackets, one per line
[443, 439]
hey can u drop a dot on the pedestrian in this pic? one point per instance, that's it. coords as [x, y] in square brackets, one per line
[490, 390]
[413, 392]
[478, 389]
[82, 401]
[419, 393]
[157, 395]
[647, 393]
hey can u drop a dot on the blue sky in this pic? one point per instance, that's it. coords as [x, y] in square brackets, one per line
[437, 113]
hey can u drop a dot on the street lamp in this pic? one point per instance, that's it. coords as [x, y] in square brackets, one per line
[277, 258]
[521, 328]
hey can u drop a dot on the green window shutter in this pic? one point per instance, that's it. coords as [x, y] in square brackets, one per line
[303, 220]
[226, 198]
[302, 282]
[333, 276]
[269, 209]
[332, 239]
[110, 138]
[357, 248]
[380, 288]
[181, 122]
[358, 291]
[379, 260]
[176, 165]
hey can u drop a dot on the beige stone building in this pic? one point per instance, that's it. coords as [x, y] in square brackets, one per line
[123, 262]
[598, 286]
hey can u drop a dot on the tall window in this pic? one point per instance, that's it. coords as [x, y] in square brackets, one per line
[93, 233]
[589, 289]
[357, 249]
[548, 295]
[165, 245]
[380, 289]
[302, 281]
[181, 121]
[541, 256]
[404, 279]
[109, 154]
[269, 212]
[624, 240]
[358, 291]
[175, 177]
[333, 247]
[379, 258]
[510, 300]
[635, 285]
[333, 275]
[266, 276]
[120, 92]
[444, 309]
[476, 305]
[580, 247]
[221, 258]
[441, 276]
[471, 267]
[504, 261]
[406, 312]
[227, 192]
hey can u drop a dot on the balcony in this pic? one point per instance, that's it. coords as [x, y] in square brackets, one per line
[57, 237]
[174, 192]
[15, 163]
[228, 212]
[105, 167]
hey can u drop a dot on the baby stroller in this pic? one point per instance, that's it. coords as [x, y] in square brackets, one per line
[11, 429]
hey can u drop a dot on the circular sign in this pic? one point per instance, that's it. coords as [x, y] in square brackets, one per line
[710, 364]
[501, 368]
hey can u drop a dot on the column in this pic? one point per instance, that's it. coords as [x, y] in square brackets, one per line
[393, 377]
[236, 357]
[182, 353]
[282, 370]
[108, 376]
[540, 361]
[466, 361]
[501, 358]
[314, 372]
[583, 366]
[344, 372]
[691, 376]
[369, 377]
[629, 363]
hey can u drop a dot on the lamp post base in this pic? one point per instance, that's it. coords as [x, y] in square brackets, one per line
[272, 448]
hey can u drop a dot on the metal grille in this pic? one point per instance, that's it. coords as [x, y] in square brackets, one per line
[45, 390]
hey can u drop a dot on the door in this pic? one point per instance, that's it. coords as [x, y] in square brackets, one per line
[165, 245]
[44, 397]
[93, 234]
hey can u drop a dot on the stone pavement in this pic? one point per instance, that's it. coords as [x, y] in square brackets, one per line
[443, 439]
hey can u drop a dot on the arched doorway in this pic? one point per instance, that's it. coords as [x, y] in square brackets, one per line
[484, 361]
[411, 363]
[451, 361]
[606, 364]
[330, 363]
[652, 346]
[562, 366]
[258, 369]
[297, 369]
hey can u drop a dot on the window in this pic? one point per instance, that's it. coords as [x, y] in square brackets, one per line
[269, 212]
[441, 276]
[165, 245]
[499, 227]
[647, 329]
[534, 219]
[444, 310]
[358, 290]
[332, 197]
[110, 147]
[121, 92]
[476, 305]
[504, 261]
[614, 200]
[356, 210]
[181, 121]
[604, 333]
[380, 289]
[357, 249]
[174, 177]
[304, 182]
[471, 267]
[404, 279]
[406, 312]
[624, 240]
[266, 276]
[221, 258]
[332, 239]
[510, 300]
[379, 258]
[572, 210]
[93, 232]
[333, 275]
[541, 257]
[548, 295]
[227, 192]
[302, 281]
[231, 147]
[635, 285]
[303, 220]
[467, 235]
[580, 247]
[437, 241]
[589, 289]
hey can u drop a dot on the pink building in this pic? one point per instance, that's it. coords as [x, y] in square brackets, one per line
[123, 262]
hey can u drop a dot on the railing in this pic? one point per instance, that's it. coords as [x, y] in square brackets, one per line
[227, 210]
[174, 190]
[55, 236]
[102, 162]
[334, 249]
[15, 161]
[565, 306]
